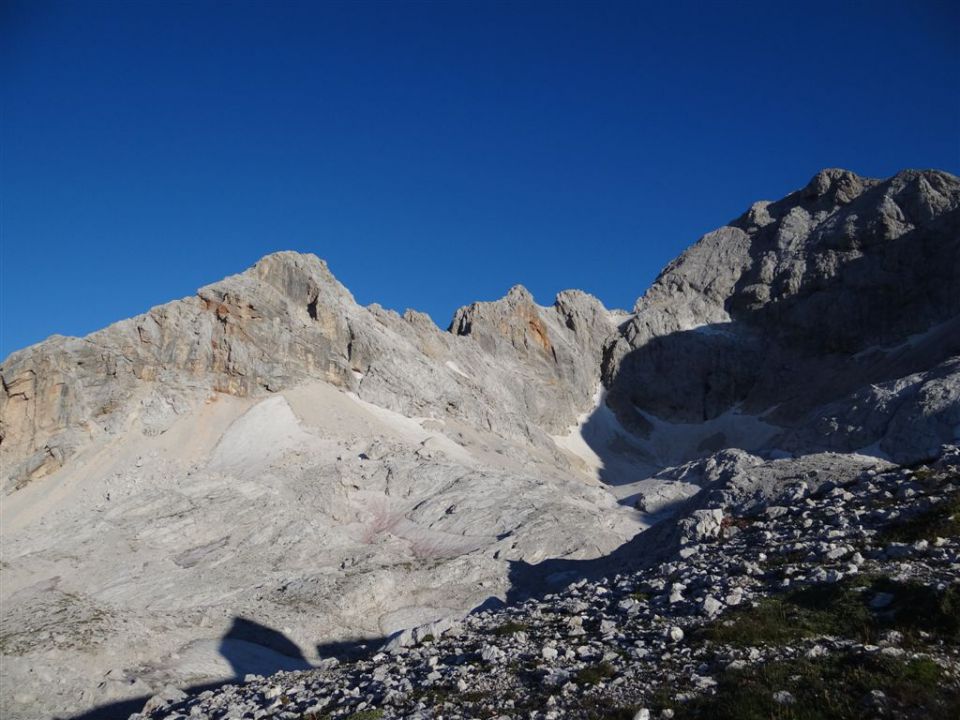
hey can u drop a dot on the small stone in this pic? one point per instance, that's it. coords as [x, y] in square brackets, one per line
[711, 606]
[490, 654]
[167, 696]
[891, 637]
[782, 697]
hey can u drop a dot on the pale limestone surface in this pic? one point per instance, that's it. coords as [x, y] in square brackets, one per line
[268, 449]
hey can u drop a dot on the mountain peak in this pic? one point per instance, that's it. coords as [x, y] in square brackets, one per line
[838, 185]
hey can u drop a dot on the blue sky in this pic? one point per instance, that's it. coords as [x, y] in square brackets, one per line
[433, 153]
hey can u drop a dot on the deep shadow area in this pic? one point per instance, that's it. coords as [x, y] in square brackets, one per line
[250, 648]
[622, 459]
[865, 308]
[696, 376]
[253, 632]
[534, 581]
[348, 650]
[122, 709]
[253, 648]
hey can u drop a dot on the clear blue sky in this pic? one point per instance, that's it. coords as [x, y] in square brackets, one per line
[433, 153]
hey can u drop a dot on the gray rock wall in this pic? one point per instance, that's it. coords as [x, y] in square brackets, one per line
[800, 308]
[510, 366]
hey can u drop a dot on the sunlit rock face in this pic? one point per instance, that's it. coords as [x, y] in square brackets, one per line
[271, 456]
[270, 450]
[510, 365]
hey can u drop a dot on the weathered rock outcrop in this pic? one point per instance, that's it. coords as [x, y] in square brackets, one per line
[833, 312]
[259, 331]
[562, 342]
[287, 320]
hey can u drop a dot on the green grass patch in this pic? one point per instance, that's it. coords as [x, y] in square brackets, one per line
[593, 674]
[374, 714]
[833, 688]
[843, 610]
[510, 627]
[941, 520]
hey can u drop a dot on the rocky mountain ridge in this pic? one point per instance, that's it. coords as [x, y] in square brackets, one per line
[833, 313]
[285, 321]
[269, 454]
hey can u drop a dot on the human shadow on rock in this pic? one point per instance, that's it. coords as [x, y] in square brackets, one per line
[253, 648]
[248, 646]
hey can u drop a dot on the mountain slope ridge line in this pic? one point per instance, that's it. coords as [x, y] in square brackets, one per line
[269, 450]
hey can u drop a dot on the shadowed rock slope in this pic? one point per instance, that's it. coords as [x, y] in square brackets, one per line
[832, 313]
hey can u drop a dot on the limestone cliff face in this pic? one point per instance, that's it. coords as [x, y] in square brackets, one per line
[559, 345]
[798, 308]
[287, 319]
[256, 332]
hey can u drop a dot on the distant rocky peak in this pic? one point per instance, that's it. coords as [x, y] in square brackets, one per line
[514, 319]
[808, 243]
[519, 294]
[836, 185]
[794, 306]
